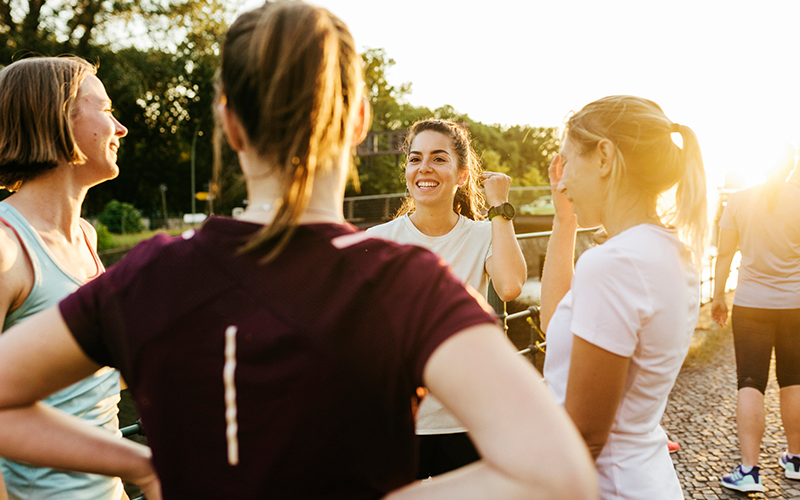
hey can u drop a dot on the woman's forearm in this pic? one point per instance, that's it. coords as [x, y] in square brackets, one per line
[559, 265]
[722, 271]
[41, 435]
[507, 266]
[480, 481]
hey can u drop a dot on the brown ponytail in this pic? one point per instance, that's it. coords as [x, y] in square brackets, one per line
[290, 72]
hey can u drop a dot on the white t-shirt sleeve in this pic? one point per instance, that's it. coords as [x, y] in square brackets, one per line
[611, 301]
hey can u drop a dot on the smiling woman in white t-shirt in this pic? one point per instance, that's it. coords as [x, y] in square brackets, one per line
[619, 325]
[443, 214]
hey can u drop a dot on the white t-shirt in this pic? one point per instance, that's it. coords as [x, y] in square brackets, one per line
[769, 273]
[637, 296]
[465, 248]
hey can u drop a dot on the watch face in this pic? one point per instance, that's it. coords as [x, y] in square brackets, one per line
[508, 211]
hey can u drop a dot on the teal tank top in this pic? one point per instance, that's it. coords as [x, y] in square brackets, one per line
[93, 399]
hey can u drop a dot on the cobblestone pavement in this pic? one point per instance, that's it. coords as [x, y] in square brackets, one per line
[701, 416]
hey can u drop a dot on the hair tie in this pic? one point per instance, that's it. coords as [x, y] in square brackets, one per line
[675, 128]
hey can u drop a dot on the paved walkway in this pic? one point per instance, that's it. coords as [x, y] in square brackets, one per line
[701, 416]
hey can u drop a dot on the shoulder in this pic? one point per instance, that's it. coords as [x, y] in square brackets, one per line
[14, 268]
[10, 248]
[383, 259]
[482, 228]
[89, 231]
[619, 257]
[159, 256]
[377, 245]
[8, 242]
[387, 229]
[744, 196]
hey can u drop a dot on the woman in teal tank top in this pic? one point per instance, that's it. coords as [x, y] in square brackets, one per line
[58, 138]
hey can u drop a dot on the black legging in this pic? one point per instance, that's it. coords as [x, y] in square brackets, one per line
[755, 333]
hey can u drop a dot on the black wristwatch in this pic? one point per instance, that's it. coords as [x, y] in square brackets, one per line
[506, 210]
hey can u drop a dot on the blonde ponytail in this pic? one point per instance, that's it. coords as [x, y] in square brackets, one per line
[648, 161]
[691, 214]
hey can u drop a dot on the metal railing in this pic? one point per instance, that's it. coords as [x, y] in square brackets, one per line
[538, 339]
[374, 209]
[707, 278]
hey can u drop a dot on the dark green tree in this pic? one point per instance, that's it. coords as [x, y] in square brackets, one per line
[160, 80]
[120, 217]
[390, 111]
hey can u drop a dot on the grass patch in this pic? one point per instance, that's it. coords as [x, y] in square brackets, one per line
[131, 239]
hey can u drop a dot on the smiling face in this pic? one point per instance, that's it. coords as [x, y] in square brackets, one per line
[432, 170]
[583, 183]
[96, 131]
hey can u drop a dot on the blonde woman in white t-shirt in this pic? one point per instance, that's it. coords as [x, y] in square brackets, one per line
[619, 323]
[443, 213]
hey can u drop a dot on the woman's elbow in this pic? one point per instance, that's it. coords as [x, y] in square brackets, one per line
[595, 443]
[580, 486]
[508, 291]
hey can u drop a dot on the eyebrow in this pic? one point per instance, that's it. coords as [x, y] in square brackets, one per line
[437, 151]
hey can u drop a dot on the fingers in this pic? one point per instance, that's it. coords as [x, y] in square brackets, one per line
[719, 313]
[555, 170]
[600, 236]
[494, 175]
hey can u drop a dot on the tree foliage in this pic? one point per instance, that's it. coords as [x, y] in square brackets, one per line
[523, 152]
[157, 59]
[120, 218]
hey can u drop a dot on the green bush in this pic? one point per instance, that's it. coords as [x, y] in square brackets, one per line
[120, 218]
[104, 239]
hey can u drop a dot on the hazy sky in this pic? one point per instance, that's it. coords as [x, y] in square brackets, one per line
[728, 69]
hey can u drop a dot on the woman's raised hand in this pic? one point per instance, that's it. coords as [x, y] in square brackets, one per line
[560, 201]
[497, 186]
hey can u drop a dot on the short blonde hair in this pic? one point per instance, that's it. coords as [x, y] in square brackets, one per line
[37, 98]
[647, 159]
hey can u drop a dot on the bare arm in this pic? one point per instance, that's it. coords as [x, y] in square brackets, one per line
[506, 266]
[559, 263]
[15, 273]
[728, 245]
[40, 356]
[596, 381]
[529, 446]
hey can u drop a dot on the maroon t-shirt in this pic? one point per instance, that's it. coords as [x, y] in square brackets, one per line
[332, 340]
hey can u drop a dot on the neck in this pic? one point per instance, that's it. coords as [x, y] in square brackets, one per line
[324, 204]
[51, 203]
[434, 221]
[627, 213]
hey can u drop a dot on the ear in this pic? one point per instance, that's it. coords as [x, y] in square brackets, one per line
[363, 122]
[607, 153]
[463, 175]
[234, 131]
